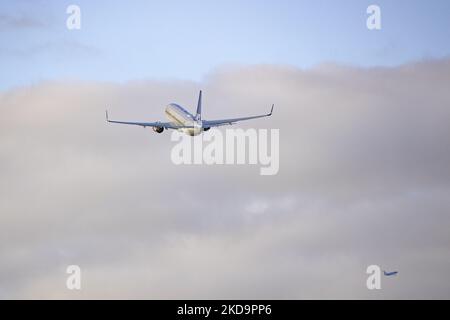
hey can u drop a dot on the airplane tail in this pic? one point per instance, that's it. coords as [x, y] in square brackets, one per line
[198, 115]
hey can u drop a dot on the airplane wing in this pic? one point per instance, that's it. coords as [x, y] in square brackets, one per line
[393, 273]
[165, 125]
[223, 122]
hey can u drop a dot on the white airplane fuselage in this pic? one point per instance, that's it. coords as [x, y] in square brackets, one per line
[182, 117]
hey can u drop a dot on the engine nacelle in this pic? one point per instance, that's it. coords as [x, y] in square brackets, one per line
[206, 129]
[158, 129]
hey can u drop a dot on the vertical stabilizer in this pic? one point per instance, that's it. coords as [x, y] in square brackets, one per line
[198, 115]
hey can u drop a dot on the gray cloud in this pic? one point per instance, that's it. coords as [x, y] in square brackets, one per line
[60, 48]
[17, 22]
[364, 179]
[26, 24]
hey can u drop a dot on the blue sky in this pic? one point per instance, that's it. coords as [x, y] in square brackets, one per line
[128, 40]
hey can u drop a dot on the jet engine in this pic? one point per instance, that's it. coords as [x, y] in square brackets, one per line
[158, 129]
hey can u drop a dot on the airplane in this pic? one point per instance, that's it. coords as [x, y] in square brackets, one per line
[184, 121]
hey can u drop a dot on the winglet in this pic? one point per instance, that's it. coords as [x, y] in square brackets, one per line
[107, 116]
[271, 110]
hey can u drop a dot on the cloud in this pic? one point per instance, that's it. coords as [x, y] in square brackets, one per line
[59, 49]
[26, 24]
[17, 22]
[363, 180]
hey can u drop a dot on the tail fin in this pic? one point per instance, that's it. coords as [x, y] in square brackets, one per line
[198, 115]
